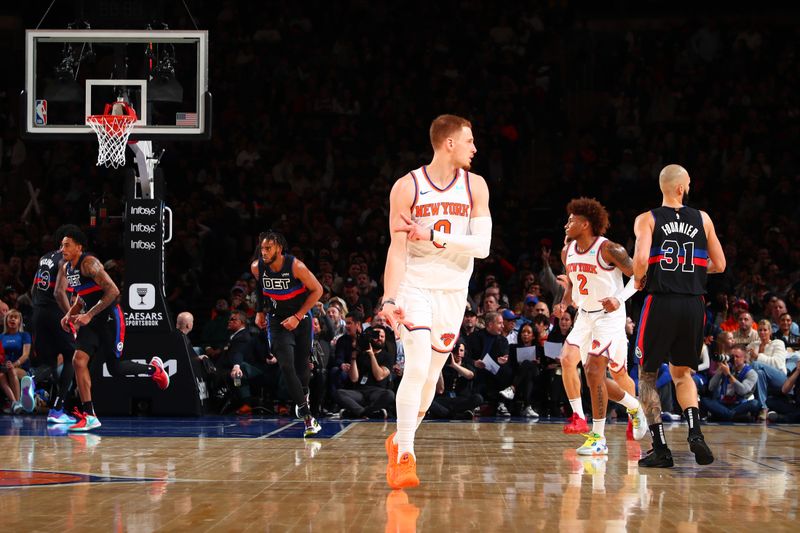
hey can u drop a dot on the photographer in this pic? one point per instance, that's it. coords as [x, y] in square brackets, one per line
[731, 390]
[455, 398]
[369, 373]
[346, 347]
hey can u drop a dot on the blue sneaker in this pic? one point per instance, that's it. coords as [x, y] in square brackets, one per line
[59, 417]
[86, 422]
[26, 397]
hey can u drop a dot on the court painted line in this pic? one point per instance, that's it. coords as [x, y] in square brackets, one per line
[268, 435]
[344, 430]
[784, 430]
[756, 462]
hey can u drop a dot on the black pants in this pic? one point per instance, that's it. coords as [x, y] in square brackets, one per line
[365, 400]
[494, 383]
[788, 412]
[556, 397]
[444, 406]
[293, 350]
[525, 379]
[316, 386]
[49, 340]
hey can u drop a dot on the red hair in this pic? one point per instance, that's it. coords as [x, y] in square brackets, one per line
[444, 126]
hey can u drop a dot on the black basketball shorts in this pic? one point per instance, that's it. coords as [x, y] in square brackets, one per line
[671, 331]
[104, 336]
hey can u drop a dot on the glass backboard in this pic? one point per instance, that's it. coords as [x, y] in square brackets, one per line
[71, 74]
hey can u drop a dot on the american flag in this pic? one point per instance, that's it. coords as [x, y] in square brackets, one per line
[186, 119]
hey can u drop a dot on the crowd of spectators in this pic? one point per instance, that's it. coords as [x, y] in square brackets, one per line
[564, 102]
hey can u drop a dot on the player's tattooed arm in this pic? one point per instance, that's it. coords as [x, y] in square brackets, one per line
[615, 254]
[93, 268]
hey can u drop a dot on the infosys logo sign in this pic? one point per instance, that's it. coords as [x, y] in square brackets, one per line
[143, 228]
[141, 210]
[143, 245]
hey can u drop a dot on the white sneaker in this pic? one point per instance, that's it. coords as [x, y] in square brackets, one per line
[594, 445]
[507, 393]
[502, 410]
[528, 412]
[26, 396]
[670, 417]
[639, 422]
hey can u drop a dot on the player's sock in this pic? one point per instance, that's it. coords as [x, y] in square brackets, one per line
[629, 401]
[599, 426]
[420, 418]
[58, 404]
[692, 415]
[659, 438]
[88, 408]
[577, 407]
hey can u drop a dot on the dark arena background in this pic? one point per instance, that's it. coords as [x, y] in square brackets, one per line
[298, 118]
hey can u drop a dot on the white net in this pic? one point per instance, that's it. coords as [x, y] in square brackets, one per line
[112, 136]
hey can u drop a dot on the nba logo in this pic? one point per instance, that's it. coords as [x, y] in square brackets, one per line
[40, 118]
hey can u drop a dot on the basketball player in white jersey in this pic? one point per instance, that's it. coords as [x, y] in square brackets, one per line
[439, 221]
[594, 272]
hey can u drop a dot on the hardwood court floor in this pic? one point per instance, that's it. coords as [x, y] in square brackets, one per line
[503, 476]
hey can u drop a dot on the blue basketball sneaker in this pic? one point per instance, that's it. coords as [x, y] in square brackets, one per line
[86, 422]
[59, 417]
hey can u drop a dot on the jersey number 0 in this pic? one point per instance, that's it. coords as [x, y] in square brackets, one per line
[442, 226]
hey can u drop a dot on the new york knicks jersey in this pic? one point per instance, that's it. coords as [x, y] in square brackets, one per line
[592, 279]
[428, 265]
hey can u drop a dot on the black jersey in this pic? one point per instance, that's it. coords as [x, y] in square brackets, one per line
[679, 253]
[84, 286]
[283, 293]
[45, 280]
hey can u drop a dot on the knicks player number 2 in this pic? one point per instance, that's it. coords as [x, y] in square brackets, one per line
[582, 284]
[443, 226]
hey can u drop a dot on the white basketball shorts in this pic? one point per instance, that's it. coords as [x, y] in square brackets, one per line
[601, 334]
[439, 312]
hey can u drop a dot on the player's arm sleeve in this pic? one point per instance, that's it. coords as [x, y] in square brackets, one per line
[476, 244]
[627, 291]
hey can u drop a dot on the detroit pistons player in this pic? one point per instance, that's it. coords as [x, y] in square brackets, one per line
[49, 339]
[676, 248]
[439, 222]
[100, 327]
[594, 272]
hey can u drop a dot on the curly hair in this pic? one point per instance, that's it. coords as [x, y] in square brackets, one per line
[591, 210]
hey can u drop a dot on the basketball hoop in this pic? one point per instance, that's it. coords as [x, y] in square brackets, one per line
[112, 128]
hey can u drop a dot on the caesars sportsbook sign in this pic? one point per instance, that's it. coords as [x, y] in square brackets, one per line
[144, 293]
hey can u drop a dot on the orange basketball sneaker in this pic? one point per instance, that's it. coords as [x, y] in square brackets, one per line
[391, 453]
[403, 475]
[576, 424]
